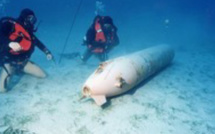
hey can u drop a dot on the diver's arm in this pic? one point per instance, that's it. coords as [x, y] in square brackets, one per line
[6, 28]
[116, 40]
[115, 37]
[41, 46]
[90, 35]
[4, 41]
[112, 43]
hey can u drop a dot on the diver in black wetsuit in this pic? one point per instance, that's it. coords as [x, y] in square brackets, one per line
[17, 43]
[100, 38]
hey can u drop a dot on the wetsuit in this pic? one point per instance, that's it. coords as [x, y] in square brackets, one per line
[7, 27]
[100, 47]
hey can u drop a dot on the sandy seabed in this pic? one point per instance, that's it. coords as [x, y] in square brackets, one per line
[178, 100]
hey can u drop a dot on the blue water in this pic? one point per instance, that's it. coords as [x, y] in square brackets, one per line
[180, 100]
[190, 22]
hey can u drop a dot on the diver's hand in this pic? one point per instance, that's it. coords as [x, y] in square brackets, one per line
[15, 46]
[49, 56]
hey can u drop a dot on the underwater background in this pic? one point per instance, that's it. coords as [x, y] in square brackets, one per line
[179, 100]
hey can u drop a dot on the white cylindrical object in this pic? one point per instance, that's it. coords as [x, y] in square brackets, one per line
[119, 75]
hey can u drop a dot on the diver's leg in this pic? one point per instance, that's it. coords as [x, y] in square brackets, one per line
[106, 56]
[86, 55]
[33, 69]
[6, 72]
[102, 57]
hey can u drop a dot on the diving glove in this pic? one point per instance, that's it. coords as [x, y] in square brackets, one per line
[15, 46]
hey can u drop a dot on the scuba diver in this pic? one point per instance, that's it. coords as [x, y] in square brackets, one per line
[17, 43]
[100, 38]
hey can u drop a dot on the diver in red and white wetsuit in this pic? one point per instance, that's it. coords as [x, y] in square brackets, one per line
[100, 38]
[17, 43]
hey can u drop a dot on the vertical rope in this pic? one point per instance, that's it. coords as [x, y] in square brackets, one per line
[70, 30]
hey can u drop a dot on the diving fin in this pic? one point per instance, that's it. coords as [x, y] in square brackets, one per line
[99, 99]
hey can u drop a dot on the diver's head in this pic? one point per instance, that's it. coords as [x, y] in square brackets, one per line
[28, 18]
[108, 27]
[107, 20]
[107, 23]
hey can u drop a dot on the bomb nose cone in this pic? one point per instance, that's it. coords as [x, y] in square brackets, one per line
[86, 91]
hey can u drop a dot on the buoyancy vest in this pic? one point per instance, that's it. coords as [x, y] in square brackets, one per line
[100, 36]
[22, 36]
